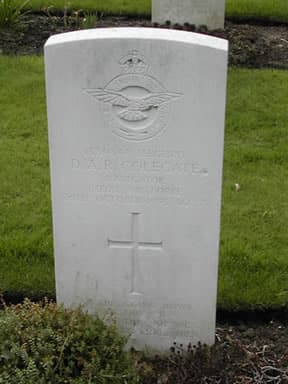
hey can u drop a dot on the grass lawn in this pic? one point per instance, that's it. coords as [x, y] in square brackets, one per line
[268, 9]
[271, 9]
[25, 218]
[254, 242]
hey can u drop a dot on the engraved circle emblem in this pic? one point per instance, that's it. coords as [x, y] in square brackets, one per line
[136, 105]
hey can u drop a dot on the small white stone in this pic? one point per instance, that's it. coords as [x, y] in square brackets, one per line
[198, 12]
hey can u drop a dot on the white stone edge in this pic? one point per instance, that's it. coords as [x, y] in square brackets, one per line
[139, 33]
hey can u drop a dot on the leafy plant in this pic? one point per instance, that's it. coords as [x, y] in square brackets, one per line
[50, 12]
[89, 20]
[45, 343]
[10, 11]
[80, 19]
[66, 16]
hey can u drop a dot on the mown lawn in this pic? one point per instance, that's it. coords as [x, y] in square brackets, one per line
[254, 241]
[269, 9]
[26, 262]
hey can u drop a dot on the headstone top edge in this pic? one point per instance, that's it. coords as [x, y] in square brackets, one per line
[139, 33]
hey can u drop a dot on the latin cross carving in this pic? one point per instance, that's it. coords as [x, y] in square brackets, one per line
[135, 245]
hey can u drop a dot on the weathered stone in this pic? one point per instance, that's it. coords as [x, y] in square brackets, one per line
[136, 122]
[198, 12]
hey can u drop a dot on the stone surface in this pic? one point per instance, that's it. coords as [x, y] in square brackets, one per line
[136, 121]
[198, 12]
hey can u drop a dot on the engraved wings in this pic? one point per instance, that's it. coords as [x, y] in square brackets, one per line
[134, 107]
[111, 97]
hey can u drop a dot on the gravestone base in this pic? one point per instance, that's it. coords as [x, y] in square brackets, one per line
[198, 12]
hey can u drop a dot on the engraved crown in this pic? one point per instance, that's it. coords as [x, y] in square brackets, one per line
[134, 62]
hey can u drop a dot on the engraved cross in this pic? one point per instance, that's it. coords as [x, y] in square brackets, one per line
[135, 245]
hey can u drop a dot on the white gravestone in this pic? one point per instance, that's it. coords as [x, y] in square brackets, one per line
[198, 12]
[136, 121]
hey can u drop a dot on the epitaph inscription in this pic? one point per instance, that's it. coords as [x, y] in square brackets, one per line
[135, 103]
[163, 324]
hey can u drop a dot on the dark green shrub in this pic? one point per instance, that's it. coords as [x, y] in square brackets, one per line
[45, 343]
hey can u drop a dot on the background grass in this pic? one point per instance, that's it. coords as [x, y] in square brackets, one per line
[254, 243]
[269, 9]
[26, 263]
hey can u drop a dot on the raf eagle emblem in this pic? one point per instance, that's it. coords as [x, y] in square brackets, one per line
[135, 104]
[133, 109]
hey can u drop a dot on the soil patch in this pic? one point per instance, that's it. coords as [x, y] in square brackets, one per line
[243, 354]
[251, 45]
